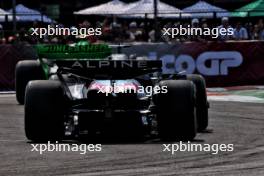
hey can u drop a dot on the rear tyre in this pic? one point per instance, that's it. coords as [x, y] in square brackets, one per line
[44, 111]
[201, 101]
[176, 110]
[26, 71]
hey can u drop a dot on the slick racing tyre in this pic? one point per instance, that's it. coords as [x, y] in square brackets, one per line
[44, 110]
[26, 71]
[176, 110]
[201, 101]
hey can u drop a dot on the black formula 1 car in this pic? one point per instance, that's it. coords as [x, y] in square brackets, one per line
[67, 95]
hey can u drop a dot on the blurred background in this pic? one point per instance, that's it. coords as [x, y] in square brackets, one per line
[231, 60]
[124, 21]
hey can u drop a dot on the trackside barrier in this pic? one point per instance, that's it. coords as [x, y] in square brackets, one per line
[221, 63]
[9, 56]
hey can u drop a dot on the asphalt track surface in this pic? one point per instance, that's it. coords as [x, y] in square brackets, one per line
[241, 124]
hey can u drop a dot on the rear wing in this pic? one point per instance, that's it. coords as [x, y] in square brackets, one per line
[78, 51]
[91, 60]
[110, 69]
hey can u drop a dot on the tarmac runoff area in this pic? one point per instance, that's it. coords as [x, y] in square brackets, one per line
[253, 94]
[233, 120]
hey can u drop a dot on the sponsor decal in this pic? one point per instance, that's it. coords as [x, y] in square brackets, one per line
[110, 64]
[211, 63]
